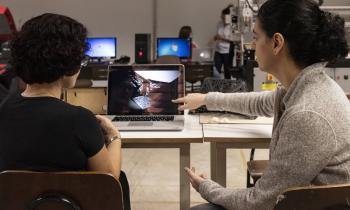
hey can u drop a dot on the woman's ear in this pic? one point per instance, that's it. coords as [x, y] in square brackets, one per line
[279, 43]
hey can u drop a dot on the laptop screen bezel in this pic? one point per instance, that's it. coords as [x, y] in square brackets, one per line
[138, 67]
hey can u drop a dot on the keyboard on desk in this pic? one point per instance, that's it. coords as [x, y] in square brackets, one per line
[144, 118]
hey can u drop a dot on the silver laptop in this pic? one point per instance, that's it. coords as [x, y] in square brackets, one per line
[139, 96]
[202, 55]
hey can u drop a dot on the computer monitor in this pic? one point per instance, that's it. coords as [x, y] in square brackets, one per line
[102, 47]
[174, 46]
[7, 24]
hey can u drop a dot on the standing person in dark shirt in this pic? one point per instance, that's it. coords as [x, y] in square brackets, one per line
[186, 33]
[40, 132]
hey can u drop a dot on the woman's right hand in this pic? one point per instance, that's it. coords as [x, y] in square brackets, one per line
[107, 126]
[191, 101]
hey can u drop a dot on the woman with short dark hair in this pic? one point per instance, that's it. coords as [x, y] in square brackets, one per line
[186, 33]
[310, 144]
[40, 132]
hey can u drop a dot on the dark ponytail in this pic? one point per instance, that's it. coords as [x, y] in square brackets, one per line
[331, 42]
[311, 34]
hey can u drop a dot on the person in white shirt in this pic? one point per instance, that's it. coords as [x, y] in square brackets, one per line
[223, 39]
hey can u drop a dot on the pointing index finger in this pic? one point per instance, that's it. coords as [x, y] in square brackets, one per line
[179, 100]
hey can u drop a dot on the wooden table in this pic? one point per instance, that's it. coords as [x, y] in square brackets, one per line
[192, 133]
[238, 136]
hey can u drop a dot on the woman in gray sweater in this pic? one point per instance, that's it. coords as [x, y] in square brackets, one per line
[310, 142]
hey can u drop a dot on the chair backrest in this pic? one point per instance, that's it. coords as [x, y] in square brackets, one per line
[59, 191]
[223, 85]
[168, 59]
[198, 72]
[329, 197]
[3, 92]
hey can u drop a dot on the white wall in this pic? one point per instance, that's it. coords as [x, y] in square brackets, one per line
[120, 18]
[124, 18]
[201, 15]
[336, 3]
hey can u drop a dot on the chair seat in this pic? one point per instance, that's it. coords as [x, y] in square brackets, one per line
[256, 168]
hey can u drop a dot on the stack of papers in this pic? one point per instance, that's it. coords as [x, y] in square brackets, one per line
[224, 118]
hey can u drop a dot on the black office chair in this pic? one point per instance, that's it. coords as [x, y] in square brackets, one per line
[197, 73]
[223, 85]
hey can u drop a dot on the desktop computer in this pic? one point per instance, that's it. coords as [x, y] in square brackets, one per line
[102, 48]
[181, 48]
[142, 48]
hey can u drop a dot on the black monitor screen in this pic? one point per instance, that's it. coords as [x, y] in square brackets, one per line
[102, 47]
[144, 90]
[174, 46]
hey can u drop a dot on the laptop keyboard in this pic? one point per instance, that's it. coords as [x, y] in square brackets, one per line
[144, 118]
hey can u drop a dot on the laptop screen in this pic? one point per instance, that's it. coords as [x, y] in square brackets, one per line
[144, 89]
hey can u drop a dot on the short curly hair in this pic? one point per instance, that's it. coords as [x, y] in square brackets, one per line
[48, 47]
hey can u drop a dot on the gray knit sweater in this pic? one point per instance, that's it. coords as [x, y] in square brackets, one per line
[310, 140]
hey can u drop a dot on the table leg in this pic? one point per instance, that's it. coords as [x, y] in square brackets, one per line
[213, 161]
[221, 165]
[218, 163]
[185, 161]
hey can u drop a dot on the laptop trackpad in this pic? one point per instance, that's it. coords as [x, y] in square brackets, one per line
[140, 123]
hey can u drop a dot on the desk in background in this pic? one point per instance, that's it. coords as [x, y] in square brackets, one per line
[94, 99]
[90, 89]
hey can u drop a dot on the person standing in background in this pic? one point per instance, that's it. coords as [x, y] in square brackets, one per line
[186, 33]
[223, 39]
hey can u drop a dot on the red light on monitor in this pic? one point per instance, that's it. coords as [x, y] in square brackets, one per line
[2, 69]
[140, 53]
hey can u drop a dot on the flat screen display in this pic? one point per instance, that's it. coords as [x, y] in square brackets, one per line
[174, 46]
[102, 47]
[144, 90]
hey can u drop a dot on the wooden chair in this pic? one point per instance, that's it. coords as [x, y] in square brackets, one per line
[329, 197]
[168, 59]
[25, 190]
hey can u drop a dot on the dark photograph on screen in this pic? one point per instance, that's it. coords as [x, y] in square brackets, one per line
[143, 92]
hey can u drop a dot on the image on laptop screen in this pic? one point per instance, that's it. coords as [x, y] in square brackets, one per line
[145, 90]
[174, 46]
[102, 47]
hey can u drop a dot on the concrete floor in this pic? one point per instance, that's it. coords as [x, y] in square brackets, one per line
[154, 174]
